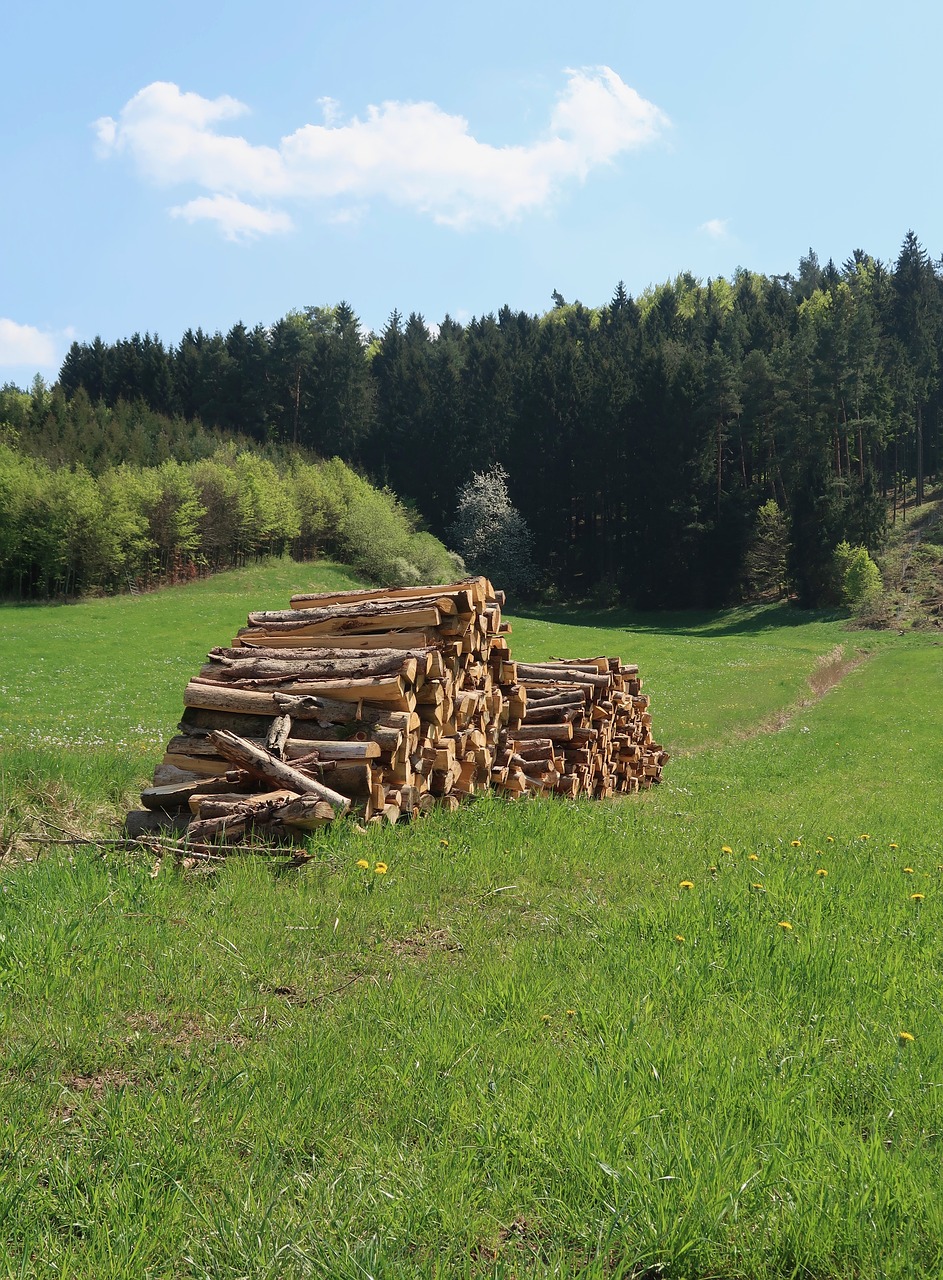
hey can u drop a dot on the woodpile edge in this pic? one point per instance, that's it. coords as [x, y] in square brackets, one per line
[384, 705]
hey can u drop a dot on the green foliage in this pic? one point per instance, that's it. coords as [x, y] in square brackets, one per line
[64, 531]
[858, 575]
[767, 551]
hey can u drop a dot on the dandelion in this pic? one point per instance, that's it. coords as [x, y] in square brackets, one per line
[363, 863]
[754, 857]
[380, 869]
[712, 871]
[904, 1037]
[796, 844]
[444, 844]
[571, 1013]
[864, 837]
[726, 849]
[916, 897]
[830, 839]
[545, 1017]
[894, 845]
[821, 872]
[679, 937]
[785, 925]
[758, 887]
[686, 884]
[908, 871]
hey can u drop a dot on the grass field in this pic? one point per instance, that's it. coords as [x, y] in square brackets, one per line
[554, 1039]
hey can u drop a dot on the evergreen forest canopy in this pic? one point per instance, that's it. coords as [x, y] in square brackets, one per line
[644, 441]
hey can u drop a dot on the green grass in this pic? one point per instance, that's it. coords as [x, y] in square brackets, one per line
[500, 1058]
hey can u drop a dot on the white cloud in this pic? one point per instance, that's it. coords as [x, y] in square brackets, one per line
[236, 219]
[410, 153]
[715, 227]
[22, 344]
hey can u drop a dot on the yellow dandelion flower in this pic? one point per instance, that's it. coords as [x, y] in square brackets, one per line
[545, 1017]
[894, 845]
[821, 872]
[864, 837]
[758, 887]
[571, 1013]
[380, 869]
[686, 884]
[726, 849]
[916, 897]
[363, 863]
[754, 857]
[830, 839]
[796, 844]
[904, 1037]
[444, 844]
[784, 924]
[712, 870]
[908, 871]
[679, 937]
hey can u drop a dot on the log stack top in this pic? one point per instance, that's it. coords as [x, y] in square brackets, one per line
[386, 704]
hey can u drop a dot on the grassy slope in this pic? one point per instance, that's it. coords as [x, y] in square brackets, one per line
[526, 1050]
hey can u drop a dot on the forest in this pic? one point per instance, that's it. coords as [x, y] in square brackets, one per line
[653, 447]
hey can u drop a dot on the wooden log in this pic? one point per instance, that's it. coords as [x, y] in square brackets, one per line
[207, 805]
[406, 640]
[527, 672]
[262, 763]
[283, 670]
[473, 588]
[555, 732]
[177, 795]
[380, 689]
[304, 814]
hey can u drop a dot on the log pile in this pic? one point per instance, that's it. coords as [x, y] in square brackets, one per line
[386, 704]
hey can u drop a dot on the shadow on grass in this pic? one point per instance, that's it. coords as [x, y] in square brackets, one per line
[745, 620]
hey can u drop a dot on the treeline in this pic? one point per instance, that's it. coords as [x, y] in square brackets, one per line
[641, 440]
[64, 530]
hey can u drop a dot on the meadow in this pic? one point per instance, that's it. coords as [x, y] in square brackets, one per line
[695, 1033]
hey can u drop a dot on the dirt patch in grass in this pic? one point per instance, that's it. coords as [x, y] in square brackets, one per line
[423, 943]
[830, 670]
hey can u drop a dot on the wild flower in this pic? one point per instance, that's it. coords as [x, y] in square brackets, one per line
[796, 844]
[758, 887]
[904, 1037]
[916, 897]
[864, 837]
[726, 849]
[363, 864]
[679, 937]
[754, 857]
[380, 869]
[785, 925]
[894, 845]
[686, 884]
[712, 871]
[571, 1013]
[908, 871]
[545, 1017]
[821, 872]
[830, 839]
[444, 844]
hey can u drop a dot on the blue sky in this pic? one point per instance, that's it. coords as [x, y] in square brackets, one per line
[174, 165]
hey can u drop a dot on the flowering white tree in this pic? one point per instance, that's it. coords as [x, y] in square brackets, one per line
[490, 533]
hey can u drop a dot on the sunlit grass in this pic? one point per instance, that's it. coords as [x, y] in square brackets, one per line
[566, 1039]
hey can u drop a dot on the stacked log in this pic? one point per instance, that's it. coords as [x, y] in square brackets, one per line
[386, 704]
